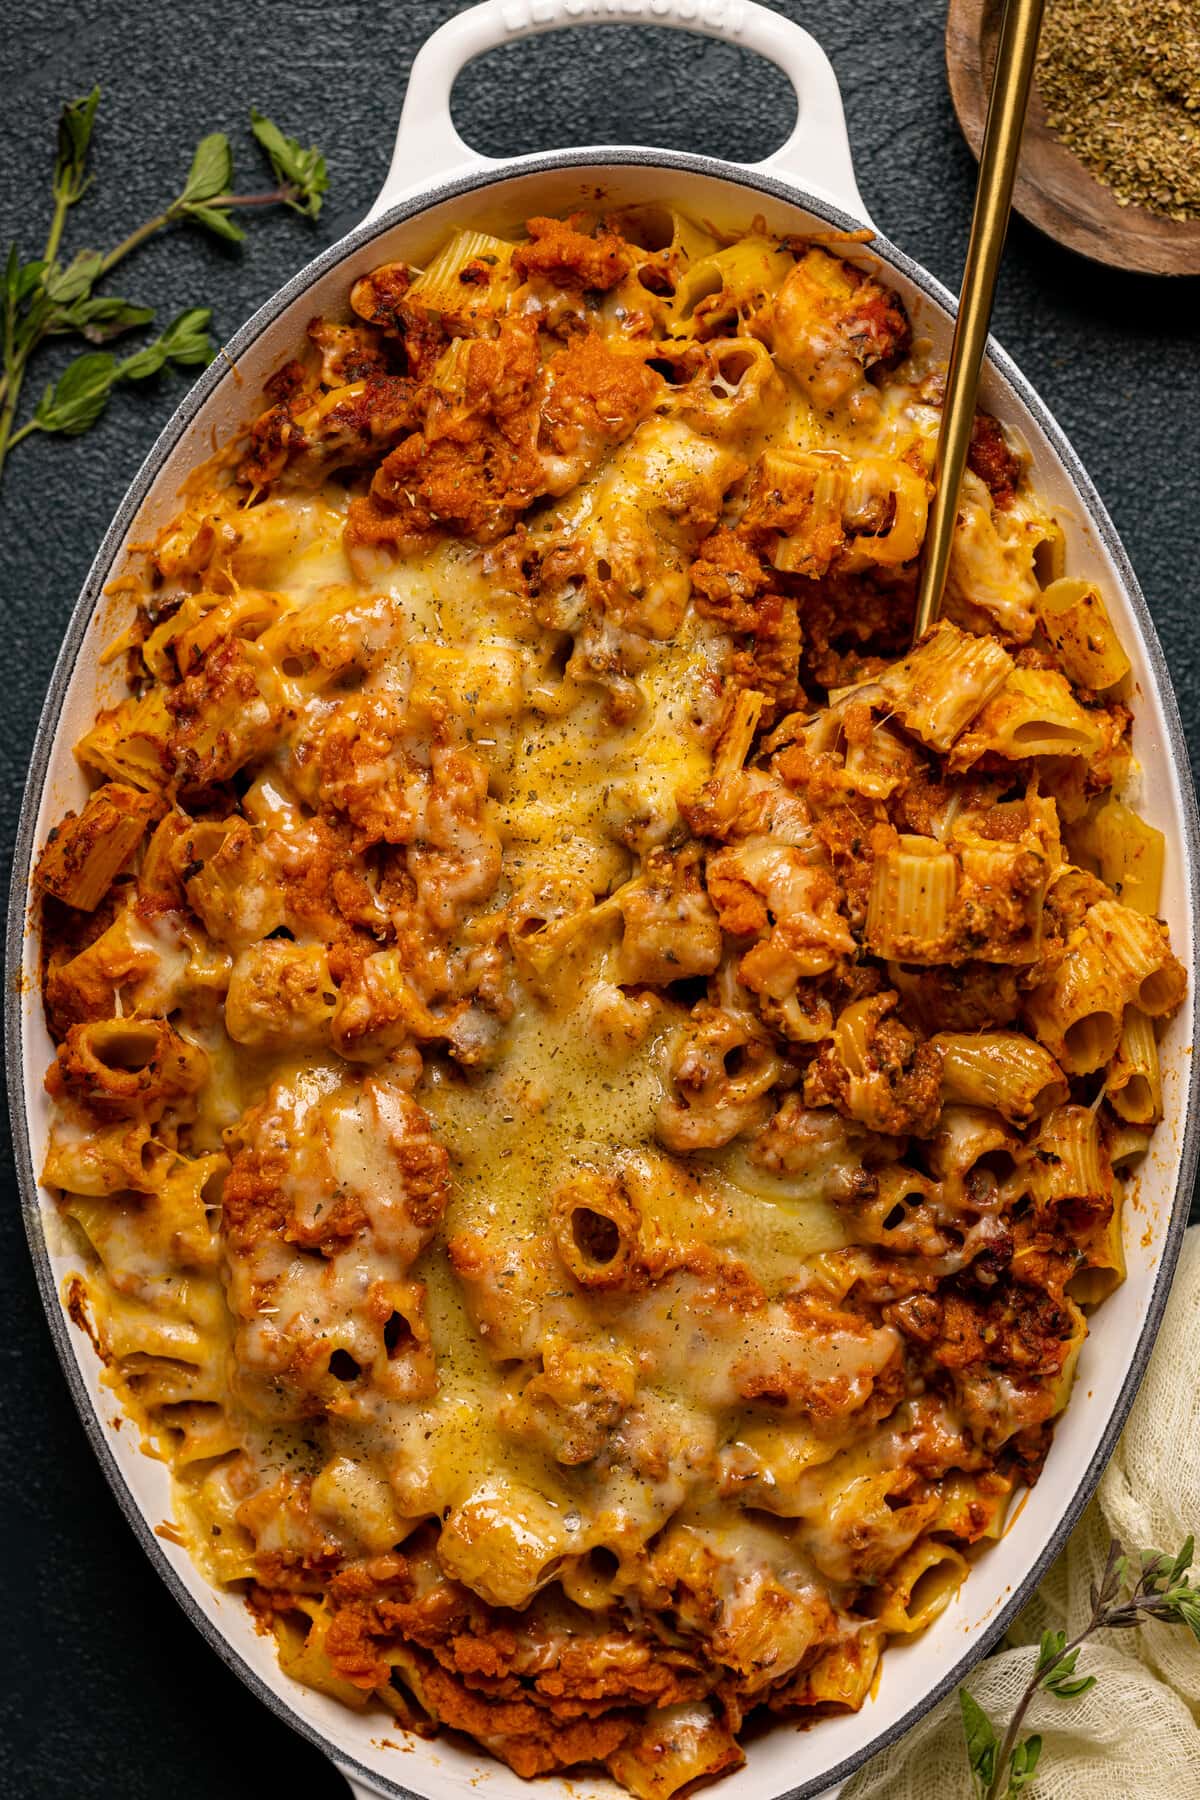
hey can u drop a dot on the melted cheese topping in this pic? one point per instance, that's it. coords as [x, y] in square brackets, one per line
[513, 1169]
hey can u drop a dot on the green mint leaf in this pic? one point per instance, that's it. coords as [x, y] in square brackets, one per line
[102, 317]
[211, 172]
[29, 278]
[1024, 1762]
[1052, 1646]
[79, 396]
[18, 284]
[1183, 1561]
[186, 341]
[1061, 1679]
[219, 223]
[303, 171]
[1071, 1690]
[74, 135]
[63, 286]
[982, 1742]
[143, 363]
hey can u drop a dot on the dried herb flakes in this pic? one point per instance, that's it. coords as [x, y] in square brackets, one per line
[1120, 80]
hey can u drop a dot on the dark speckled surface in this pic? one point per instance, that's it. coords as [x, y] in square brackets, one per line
[107, 1691]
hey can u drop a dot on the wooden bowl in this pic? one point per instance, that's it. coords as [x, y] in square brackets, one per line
[1054, 190]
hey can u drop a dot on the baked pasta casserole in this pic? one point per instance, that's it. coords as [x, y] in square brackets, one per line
[593, 1082]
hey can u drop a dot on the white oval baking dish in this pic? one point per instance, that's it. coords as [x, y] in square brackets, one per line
[808, 184]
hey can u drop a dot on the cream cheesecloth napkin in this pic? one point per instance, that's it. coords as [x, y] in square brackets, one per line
[1136, 1734]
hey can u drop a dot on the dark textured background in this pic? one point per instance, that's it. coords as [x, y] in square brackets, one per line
[107, 1691]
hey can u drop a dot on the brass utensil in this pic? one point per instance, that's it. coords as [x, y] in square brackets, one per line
[998, 158]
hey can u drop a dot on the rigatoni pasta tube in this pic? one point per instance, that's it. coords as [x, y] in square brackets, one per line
[85, 853]
[357, 1500]
[128, 1068]
[1034, 714]
[941, 685]
[660, 236]
[439, 287]
[1069, 1166]
[302, 1653]
[876, 766]
[671, 1748]
[504, 1542]
[595, 1225]
[280, 994]
[1104, 1256]
[735, 388]
[973, 1506]
[129, 742]
[1064, 1381]
[1002, 1069]
[1138, 950]
[921, 1586]
[909, 909]
[182, 642]
[587, 1583]
[884, 509]
[120, 1156]
[1077, 1012]
[1050, 554]
[972, 1140]
[732, 283]
[1134, 1080]
[204, 1431]
[899, 1217]
[796, 496]
[738, 734]
[1076, 623]
[844, 1674]
[1131, 855]
[1125, 1143]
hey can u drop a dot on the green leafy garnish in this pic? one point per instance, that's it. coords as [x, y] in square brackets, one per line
[47, 297]
[982, 1742]
[301, 173]
[1121, 1600]
[71, 176]
[81, 393]
[211, 173]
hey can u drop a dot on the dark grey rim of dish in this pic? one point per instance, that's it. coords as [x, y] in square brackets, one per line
[92, 589]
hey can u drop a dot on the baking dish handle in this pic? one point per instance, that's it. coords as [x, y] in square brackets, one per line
[816, 156]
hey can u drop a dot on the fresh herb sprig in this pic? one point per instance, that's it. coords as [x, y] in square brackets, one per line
[1150, 1586]
[47, 297]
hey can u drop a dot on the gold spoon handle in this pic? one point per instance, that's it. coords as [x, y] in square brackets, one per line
[1011, 80]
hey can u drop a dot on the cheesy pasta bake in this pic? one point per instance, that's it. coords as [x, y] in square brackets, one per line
[593, 1082]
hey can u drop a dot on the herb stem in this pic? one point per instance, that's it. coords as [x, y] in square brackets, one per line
[137, 237]
[276, 197]
[175, 212]
[30, 425]
[1009, 1742]
[12, 384]
[15, 359]
[54, 235]
[7, 413]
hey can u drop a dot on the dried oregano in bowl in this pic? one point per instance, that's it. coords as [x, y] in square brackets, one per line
[1120, 81]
